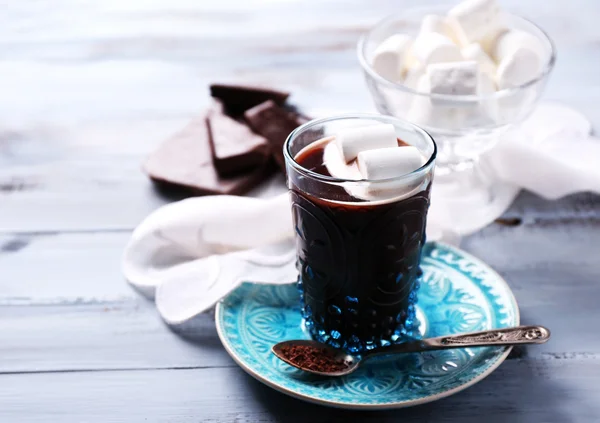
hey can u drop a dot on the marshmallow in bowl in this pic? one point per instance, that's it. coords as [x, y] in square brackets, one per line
[489, 106]
[486, 84]
[453, 78]
[475, 20]
[413, 75]
[470, 51]
[433, 47]
[520, 58]
[435, 23]
[440, 24]
[431, 112]
[474, 52]
[517, 69]
[352, 141]
[385, 163]
[389, 59]
[423, 111]
[511, 41]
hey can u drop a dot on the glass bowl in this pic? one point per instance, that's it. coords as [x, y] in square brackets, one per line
[464, 126]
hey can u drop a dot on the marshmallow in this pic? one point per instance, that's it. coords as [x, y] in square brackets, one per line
[384, 163]
[475, 20]
[423, 85]
[520, 57]
[413, 75]
[486, 84]
[434, 23]
[510, 42]
[453, 78]
[474, 52]
[337, 167]
[370, 191]
[433, 114]
[518, 68]
[488, 110]
[432, 47]
[352, 141]
[439, 24]
[421, 109]
[390, 57]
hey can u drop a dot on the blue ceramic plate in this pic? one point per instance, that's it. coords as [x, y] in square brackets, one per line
[458, 294]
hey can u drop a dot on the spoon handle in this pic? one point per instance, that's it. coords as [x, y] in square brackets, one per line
[508, 336]
[494, 337]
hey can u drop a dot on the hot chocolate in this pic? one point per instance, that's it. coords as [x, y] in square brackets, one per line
[358, 259]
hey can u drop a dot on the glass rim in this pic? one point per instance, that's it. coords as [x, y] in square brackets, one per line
[289, 158]
[361, 46]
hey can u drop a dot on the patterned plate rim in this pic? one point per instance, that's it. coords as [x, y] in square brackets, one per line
[389, 405]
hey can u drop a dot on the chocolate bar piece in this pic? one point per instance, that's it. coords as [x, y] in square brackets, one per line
[275, 124]
[184, 160]
[239, 98]
[234, 147]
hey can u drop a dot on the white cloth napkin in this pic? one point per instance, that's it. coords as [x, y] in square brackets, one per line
[190, 254]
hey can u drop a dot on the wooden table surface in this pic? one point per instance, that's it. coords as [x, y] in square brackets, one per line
[88, 88]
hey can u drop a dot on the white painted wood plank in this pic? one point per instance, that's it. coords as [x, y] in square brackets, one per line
[545, 390]
[63, 269]
[105, 336]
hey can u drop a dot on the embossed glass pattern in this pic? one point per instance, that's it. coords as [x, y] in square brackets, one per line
[358, 260]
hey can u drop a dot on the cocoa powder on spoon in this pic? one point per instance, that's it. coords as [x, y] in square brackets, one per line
[314, 358]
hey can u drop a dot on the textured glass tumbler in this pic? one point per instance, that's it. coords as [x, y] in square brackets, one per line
[358, 260]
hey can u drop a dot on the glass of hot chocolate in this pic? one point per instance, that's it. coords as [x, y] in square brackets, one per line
[359, 189]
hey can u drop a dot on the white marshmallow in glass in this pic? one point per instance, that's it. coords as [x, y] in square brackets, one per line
[433, 47]
[475, 21]
[389, 59]
[385, 163]
[520, 56]
[352, 141]
[474, 52]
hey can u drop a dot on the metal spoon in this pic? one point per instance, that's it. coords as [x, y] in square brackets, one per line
[349, 362]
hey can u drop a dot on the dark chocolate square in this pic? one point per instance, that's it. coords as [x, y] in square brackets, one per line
[275, 124]
[239, 98]
[234, 147]
[185, 160]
